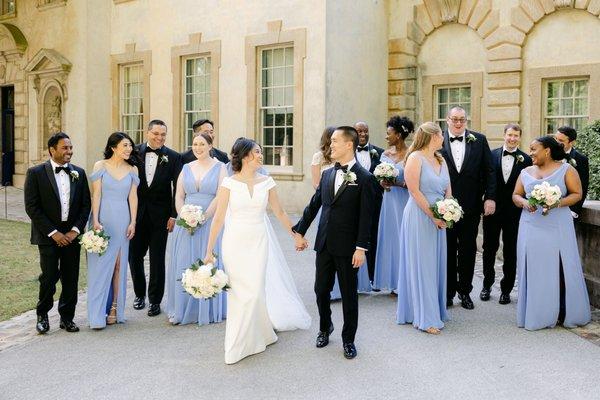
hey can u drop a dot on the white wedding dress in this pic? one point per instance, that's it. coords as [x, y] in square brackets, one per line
[263, 296]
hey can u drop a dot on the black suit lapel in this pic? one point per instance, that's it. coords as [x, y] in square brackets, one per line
[448, 151]
[52, 179]
[467, 150]
[72, 186]
[515, 168]
[331, 184]
[344, 184]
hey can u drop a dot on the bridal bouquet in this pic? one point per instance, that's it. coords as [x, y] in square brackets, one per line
[447, 210]
[386, 172]
[545, 196]
[204, 281]
[191, 217]
[94, 241]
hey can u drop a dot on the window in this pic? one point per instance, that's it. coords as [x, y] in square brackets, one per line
[451, 96]
[7, 7]
[131, 101]
[566, 104]
[276, 99]
[197, 99]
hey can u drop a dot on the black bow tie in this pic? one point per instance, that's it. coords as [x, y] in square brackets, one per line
[459, 138]
[509, 153]
[362, 148]
[339, 166]
[58, 169]
[151, 150]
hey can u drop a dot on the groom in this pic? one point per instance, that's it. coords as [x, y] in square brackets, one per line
[345, 194]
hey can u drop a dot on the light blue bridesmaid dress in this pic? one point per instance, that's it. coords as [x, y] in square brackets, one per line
[545, 240]
[422, 272]
[114, 218]
[387, 261]
[185, 249]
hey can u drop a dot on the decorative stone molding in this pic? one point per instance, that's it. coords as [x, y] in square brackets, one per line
[254, 43]
[48, 4]
[504, 53]
[48, 71]
[195, 47]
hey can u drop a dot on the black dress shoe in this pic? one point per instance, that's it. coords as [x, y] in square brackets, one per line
[139, 303]
[504, 298]
[69, 326]
[449, 303]
[153, 310]
[466, 302]
[349, 351]
[43, 325]
[323, 337]
[485, 294]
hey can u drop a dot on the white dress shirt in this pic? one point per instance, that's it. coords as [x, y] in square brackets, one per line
[339, 176]
[63, 184]
[364, 158]
[507, 163]
[458, 149]
[151, 163]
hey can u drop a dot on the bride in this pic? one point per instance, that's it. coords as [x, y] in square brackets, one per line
[263, 296]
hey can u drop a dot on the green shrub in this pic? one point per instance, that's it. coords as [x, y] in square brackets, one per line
[588, 143]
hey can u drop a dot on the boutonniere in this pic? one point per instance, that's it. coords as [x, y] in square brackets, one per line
[573, 162]
[374, 153]
[471, 138]
[520, 158]
[349, 177]
[74, 175]
[164, 159]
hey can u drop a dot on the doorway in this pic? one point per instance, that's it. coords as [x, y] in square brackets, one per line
[8, 134]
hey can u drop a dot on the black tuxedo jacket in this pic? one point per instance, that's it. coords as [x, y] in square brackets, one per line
[504, 190]
[476, 180]
[375, 159]
[583, 168]
[42, 202]
[189, 156]
[346, 217]
[158, 198]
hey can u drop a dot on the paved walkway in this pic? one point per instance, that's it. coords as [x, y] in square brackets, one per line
[481, 353]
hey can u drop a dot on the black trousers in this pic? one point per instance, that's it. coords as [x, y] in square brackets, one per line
[327, 267]
[506, 223]
[59, 263]
[462, 247]
[149, 235]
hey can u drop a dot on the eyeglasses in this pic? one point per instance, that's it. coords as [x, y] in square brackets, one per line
[457, 120]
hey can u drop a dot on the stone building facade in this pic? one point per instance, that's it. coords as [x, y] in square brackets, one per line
[280, 72]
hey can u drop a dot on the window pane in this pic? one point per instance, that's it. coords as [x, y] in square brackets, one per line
[553, 89]
[567, 89]
[268, 155]
[289, 76]
[289, 118]
[442, 95]
[268, 136]
[567, 107]
[552, 107]
[278, 58]
[581, 89]
[289, 56]
[453, 95]
[580, 107]
[278, 77]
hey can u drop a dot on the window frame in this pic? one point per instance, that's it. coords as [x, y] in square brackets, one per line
[276, 37]
[123, 100]
[183, 93]
[195, 48]
[128, 58]
[285, 105]
[562, 117]
[436, 104]
[10, 14]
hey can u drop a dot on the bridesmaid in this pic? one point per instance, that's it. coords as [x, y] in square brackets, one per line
[422, 236]
[387, 259]
[197, 184]
[114, 208]
[551, 284]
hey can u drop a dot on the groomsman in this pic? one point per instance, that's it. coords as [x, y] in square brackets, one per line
[508, 162]
[156, 215]
[344, 196]
[369, 157]
[57, 199]
[473, 182]
[204, 126]
[567, 136]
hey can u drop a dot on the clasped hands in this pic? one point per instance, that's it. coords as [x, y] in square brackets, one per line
[300, 242]
[64, 239]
